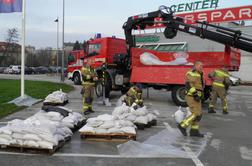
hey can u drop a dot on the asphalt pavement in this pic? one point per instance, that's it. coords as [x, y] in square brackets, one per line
[228, 142]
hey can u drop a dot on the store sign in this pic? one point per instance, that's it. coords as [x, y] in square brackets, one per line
[220, 15]
[196, 5]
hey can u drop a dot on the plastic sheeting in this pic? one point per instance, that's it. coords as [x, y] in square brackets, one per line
[167, 143]
[25, 101]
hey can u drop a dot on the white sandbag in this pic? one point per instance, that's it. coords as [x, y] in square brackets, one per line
[15, 122]
[31, 143]
[67, 131]
[115, 130]
[107, 124]
[150, 117]
[59, 137]
[45, 144]
[55, 116]
[140, 111]
[129, 130]
[66, 109]
[126, 123]
[131, 117]
[32, 137]
[94, 122]
[181, 114]
[68, 120]
[79, 116]
[141, 120]
[5, 130]
[6, 136]
[19, 142]
[69, 125]
[105, 117]
[17, 136]
[87, 129]
[4, 141]
[101, 131]
[49, 138]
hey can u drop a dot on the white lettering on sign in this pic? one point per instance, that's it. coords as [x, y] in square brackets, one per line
[245, 11]
[202, 16]
[215, 15]
[229, 14]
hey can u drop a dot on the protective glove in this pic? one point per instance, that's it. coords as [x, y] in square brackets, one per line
[197, 96]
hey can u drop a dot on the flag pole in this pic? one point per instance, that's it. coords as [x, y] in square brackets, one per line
[23, 49]
[63, 44]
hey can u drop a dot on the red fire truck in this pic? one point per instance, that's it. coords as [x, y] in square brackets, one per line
[127, 64]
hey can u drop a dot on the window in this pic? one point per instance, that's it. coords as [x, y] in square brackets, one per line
[94, 49]
[166, 47]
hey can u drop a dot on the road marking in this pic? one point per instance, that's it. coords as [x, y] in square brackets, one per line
[194, 158]
[189, 152]
[20, 154]
[112, 156]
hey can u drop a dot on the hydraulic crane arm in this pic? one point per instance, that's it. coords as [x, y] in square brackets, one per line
[173, 24]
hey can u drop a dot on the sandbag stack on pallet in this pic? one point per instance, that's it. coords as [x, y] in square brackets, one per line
[108, 127]
[141, 117]
[44, 130]
[56, 98]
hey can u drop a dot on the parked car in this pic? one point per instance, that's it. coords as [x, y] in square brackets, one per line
[235, 80]
[42, 70]
[16, 69]
[2, 69]
[29, 70]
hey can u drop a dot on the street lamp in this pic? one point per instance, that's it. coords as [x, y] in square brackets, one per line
[63, 46]
[57, 53]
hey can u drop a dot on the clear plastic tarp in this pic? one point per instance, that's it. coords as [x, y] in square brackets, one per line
[25, 101]
[167, 143]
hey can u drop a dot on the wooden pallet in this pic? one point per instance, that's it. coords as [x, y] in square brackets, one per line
[116, 137]
[33, 150]
[56, 104]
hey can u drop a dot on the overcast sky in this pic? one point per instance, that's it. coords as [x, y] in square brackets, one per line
[84, 18]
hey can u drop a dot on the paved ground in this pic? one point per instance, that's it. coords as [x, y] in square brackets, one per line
[228, 143]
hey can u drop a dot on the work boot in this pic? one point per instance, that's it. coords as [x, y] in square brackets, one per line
[182, 130]
[211, 110]
[196, 133]
[225, 112]
[86, 112]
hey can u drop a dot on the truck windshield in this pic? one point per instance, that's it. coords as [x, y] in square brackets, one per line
[94, 49]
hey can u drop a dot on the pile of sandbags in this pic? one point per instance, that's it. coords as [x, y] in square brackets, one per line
[139, 116]
[57, 97]
[108, 124]
[42, 130]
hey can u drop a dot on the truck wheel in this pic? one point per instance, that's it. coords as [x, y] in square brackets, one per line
[178, 96]
[99, 89]
[76, 79]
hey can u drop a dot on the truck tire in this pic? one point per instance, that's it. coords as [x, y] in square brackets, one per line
[178, 95]
[76, 79]
[98, 89]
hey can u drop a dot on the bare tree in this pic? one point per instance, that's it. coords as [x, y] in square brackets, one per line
[11, 48]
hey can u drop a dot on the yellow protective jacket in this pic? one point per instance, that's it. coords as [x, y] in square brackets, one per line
[220, 77]
[194, 83]
[88, 74]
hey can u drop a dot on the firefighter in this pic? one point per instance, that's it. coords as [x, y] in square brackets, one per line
[194, 85]
[89, 78]
[134, 97]
[220, 85]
